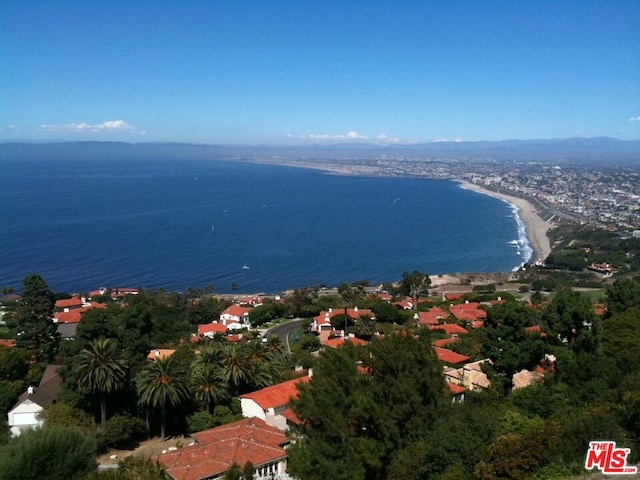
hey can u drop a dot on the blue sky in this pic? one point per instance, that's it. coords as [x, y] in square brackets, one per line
[295, 71]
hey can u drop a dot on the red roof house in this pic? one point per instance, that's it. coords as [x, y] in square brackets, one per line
[434, 316]
[449, 328]
[269, 403]
[69, 303]
[217, 449]
[235, 317]
[468, 311]
[74, 315]
[448, 356]
[210, 329]
[335, 342]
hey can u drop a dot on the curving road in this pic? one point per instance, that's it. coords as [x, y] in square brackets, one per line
[283, 330]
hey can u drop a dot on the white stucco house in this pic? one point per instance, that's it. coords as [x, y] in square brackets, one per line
[24, 413]
[271, 404]
[235, 317]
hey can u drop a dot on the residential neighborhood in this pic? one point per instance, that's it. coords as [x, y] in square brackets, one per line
[249, 384]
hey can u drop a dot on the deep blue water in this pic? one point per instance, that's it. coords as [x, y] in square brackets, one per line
[179, 224]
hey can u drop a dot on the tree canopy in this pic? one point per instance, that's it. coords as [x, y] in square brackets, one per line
[365, 406]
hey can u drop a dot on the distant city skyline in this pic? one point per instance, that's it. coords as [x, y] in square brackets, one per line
[298, 72]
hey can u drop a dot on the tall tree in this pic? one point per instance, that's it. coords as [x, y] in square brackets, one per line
[301, 304]
[571, 319]
[161, 382]
[505, 340]
[34, 318]
[365, 326]
[349, 296]
[622, 295]
[209, 384]
[415, 284]
[100, 370]
[365, 406]
[236, 366]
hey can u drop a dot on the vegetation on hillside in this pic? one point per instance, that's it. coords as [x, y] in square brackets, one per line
[378, 411]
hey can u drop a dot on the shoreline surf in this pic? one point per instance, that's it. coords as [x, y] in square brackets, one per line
[535, 227]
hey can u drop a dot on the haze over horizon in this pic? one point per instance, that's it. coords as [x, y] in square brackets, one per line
[279, 72]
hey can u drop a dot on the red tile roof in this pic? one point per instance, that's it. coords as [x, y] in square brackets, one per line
[354, 313]
[211, 328]
[75, 315]
[444, 341]
[276, 395]
[449, 328]
[447, 356]
[73, 302]
[433, 316]
[247, 440]
[452, 296]
[291, 416]
[236, 311]
[456, 389]
[7, 342]
[337, 341]
[468, 311]
[384, 296]
[160, 353]
[536, 329]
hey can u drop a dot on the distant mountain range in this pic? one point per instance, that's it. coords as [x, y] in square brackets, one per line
[574, 149]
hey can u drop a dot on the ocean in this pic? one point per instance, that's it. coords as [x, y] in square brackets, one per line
[173, 224]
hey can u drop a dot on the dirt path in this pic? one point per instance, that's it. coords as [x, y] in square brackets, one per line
[148, 448]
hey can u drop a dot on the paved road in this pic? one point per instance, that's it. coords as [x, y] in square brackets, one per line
[284, 329]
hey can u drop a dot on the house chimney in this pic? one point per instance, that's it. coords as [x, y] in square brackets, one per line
[30, 390]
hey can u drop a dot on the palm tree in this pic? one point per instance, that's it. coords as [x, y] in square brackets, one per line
[209, 384]
[275, 347]
[160, 382]
[236, 366]
[365, 326]
[210, 354]
[348, 296]
[100, 370]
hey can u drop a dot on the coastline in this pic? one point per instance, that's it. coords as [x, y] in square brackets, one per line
[536, 227]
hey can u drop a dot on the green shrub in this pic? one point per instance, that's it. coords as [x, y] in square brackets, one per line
[54, 453]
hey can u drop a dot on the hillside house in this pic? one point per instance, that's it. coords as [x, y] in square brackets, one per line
[271, 403]
[70, 310]
[433, 316]
[211, 329]
[235, 317]
[451, 329]
[469, 311]
[335, 342]
[450, 357]
[217, 449]
[24, 413]
[469, 376]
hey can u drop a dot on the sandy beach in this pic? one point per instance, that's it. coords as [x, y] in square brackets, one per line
[536, 227]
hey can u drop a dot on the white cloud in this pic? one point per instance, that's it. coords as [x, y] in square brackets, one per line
[635, 119]
[384, 138]
[108, 126]
[346, 137]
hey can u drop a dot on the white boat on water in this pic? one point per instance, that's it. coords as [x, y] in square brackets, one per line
[245, 267]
